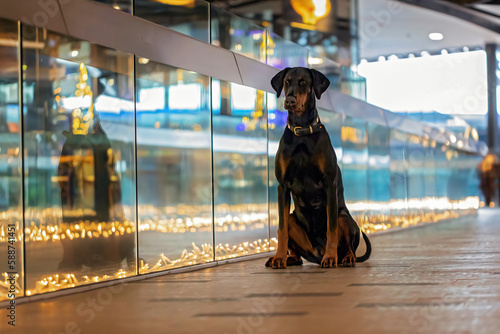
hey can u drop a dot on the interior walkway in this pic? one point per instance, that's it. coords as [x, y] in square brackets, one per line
[442, 278]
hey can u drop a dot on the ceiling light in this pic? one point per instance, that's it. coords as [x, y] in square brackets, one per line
[312, 10]
[393, 57]
[411, 55]
[436, 36]
[444, 52]
[381, 58]
[466, 49]
[425, 53]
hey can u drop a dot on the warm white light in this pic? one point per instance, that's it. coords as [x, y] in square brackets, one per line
[143, 61]
[74, 53]
[320, 8]
[436, 36]
[315, 61]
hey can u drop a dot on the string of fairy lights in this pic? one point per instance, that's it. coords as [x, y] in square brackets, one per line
[372, 218]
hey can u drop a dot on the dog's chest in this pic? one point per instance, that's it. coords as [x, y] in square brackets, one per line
[305, 180]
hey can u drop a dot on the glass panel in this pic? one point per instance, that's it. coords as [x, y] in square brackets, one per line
[240, 170]
[379, 176]
[189, 17]
[233, 33]
[79, 162]
[355, 164]
[415, 156]
[329, 68]
[11, 251]
[398, 179]
[463, 182]
[429, 170]
[276, 123]
[174, 166]
[333, 124]
[282, 53]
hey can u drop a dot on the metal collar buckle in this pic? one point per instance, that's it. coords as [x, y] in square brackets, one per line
[295, 130]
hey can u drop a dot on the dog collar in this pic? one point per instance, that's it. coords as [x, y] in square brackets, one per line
[305, 130]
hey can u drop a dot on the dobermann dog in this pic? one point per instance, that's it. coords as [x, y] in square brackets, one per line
[321, 229]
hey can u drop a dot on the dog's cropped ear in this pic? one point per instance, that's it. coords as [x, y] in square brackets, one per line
[277, 81]
[320, 82]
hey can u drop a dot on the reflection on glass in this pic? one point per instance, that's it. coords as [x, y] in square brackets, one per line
[11, 252]
[240, 170]
[173, 167]
[79, 163]
[231, 32]
[189, 17]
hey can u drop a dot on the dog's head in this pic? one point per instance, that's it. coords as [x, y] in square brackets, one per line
[300, 86]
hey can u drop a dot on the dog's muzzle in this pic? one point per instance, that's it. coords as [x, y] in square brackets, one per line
[290, 102]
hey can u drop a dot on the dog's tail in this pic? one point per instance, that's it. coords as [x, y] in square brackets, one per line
[368, 249]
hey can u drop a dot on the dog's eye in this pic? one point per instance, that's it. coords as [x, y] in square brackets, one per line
[302, 83]
[287, 82]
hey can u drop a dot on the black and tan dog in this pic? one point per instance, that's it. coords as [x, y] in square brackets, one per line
[321, 229]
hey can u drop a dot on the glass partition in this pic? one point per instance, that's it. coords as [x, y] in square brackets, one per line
[231, 32]
[398, 203]
[282, 53]
[276, 124]
[174, 179]
[354, 166]
[240, 163]
[79, 162]
[379, 174]
[416, 158]
[11, 210]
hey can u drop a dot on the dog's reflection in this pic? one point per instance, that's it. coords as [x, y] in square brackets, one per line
[91, 195]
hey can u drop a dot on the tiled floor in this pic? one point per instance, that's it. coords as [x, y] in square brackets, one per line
[442, 278]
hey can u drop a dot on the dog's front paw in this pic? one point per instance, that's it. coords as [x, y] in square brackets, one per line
[329, 261]
[276, 263]
[349, 260]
